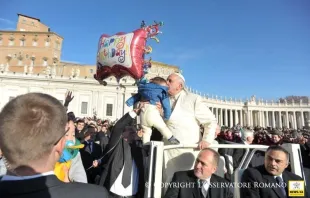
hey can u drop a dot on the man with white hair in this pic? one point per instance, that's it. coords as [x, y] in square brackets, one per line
[189, 111]
[247, 137]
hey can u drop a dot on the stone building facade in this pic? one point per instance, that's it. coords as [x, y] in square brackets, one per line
[30, 48]
[30, 61]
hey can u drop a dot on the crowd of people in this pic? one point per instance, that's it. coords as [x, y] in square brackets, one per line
[49, 152]
[267, 136]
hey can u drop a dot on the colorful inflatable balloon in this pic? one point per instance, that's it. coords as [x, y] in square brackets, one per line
[123, 53]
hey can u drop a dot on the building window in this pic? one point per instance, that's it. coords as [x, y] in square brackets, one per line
[109, 111]
[44, 62]
[22, 42]
[34, 43]
[91, 71]
[84, 108]
[47, 43]
[11, 43]
[32, 62]
[20, 62]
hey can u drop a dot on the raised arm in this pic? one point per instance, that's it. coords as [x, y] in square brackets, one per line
[132, 100]
[119, 127]
[68, 99]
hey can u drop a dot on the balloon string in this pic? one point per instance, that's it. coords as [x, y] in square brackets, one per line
[92, 166]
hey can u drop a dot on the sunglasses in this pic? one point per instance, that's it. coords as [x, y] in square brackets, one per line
[62, 136]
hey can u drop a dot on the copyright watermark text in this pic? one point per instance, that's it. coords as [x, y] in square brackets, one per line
[220, 185]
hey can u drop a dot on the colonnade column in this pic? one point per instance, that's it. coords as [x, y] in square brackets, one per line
[262, 116]
[248, 121]
[273, 120]
[217, 115]
[236, 117]
[226, 118]
[267, 118]
[280, 119]
[287, 120]
[302, 119]
[294, 119]
[298, 118]
[221, 114]
[263, 119]
[251, 118]
[241, 117]
[231, 118]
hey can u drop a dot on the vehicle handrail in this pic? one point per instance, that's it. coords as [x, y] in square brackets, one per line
[234, 146]
[250, 156]
[244, 158]
[157, 155]
[228, 142]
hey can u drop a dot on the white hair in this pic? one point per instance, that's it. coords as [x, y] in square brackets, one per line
[246, 133]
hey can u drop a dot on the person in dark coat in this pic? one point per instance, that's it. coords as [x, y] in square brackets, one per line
[272, 178]
[89, 154]
[200, 182]
[32, 138]
[122, 167]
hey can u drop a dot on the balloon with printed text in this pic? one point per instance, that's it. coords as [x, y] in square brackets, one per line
[123, 54]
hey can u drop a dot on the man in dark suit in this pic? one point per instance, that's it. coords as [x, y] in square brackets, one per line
[32, 130]
[80, 125]
[271, 179]
[103, 136]
[89, 154]
[200, 182]
[123, 170]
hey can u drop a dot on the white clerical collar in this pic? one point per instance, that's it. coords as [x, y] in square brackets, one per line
[15, 178]
[177, 95]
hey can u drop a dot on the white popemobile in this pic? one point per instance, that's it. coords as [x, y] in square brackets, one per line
[154, 187]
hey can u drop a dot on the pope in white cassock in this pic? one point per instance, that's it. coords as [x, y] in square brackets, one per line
[189, 111]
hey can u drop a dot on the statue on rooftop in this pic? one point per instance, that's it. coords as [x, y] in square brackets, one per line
[253, 98]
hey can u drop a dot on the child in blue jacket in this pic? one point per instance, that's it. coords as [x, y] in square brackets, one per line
[155, 91]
